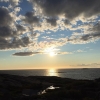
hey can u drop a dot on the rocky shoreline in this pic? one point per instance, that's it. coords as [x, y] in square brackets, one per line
[13, 87]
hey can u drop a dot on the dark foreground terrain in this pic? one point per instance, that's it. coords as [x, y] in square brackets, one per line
[14, 87]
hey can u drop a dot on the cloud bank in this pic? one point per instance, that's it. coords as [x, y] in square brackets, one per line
[17, 30]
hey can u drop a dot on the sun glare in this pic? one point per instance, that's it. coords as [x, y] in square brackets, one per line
[50, 51]
[52, 54]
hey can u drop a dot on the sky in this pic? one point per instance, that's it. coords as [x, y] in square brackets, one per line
[44, 34]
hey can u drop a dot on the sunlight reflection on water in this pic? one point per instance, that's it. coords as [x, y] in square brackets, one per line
[52, 72]
[49, 88]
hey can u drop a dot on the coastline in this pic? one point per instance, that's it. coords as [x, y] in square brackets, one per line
[14, 87]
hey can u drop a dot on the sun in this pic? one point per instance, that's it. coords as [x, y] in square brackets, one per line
[50, 51]
[52, 54]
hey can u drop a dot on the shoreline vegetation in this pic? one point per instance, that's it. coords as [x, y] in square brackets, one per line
[14, 87]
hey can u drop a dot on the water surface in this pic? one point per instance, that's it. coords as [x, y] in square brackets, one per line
[91, 73]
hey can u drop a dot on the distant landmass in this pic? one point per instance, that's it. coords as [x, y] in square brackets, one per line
[85, 68]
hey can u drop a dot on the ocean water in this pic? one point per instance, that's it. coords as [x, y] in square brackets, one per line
[84, 73]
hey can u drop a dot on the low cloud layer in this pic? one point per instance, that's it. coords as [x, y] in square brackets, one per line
[23, 54]
[27, 53]
[34, 53]
[92, 64]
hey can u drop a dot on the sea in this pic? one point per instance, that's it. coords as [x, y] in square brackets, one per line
[84, 73]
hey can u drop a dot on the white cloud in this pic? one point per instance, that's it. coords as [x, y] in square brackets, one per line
[12, 2]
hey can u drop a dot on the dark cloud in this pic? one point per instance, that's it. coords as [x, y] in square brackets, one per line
[31, 18]
[87, 38]
[26, 53]
[3, 42]
[52, 13]
[69, 8]
[33, 53]
[35, 35]
[23, 42]
[96, 27]
[5, 17]
[90, 36]
[14, 43]
[67, 22]
[10, 32]
[94, 33]
[23, 54]
[6, 31]
[52, 21]
[20, 29]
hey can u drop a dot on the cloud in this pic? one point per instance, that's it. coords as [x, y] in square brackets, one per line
[83, 39]
[19, 31]
[91, 64]
[35, 35]
[10, 32]
[14, 43]
[52, 21]
[7, 26]
[89, 37]
[64, 14]
[34, 53]
[53, 43]
[68, 8]
[30, 18]
[80, 50]
[63, 53]
[6, 31]
[12, 2]
[96, 27]
[5, 17]
[89, 33]
[23, 54]
[26, 53]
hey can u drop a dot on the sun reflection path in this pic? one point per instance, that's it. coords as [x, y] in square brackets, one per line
[52, 72]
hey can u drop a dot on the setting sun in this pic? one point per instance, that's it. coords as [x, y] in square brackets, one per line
[52, 54]
[50, 51]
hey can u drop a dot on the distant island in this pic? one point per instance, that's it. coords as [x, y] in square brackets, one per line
[13, 87]
[85, 68]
